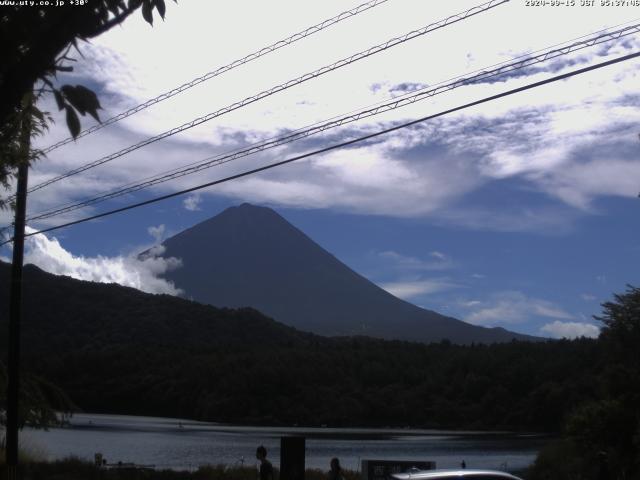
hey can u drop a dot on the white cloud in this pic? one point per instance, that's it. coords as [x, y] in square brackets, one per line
[157, 232]
[142, 273]
[587, 297]
[560, 329]
[362, 180]
[411, 289]
[192, 202]
[579, 183]
[512, 307]
[500, 313]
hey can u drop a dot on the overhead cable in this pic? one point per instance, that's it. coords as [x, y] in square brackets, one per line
[278, 88]
[219, 71]
[397, 102]
[340, 145]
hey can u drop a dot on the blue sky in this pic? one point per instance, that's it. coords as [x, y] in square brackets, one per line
[521, 213]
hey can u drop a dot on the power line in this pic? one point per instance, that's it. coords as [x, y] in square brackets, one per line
[342, 144]
[397, 102]
[504, 67]
[219, 71]
[278, 88]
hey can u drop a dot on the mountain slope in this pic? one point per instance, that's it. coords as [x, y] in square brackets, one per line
[62, 313]
[251, 256]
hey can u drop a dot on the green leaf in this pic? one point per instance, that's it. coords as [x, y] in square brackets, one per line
[71, 95]
[89, 101]
[38, 113]
[113, 7]
[72, 121]
[159, 4]
[59, 99]
[75, 45]
[82, 99]
[147, 14]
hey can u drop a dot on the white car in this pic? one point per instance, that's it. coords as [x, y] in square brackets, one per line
[460, 474]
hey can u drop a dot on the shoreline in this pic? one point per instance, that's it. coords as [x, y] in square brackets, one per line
[169, 443]
[86, 419]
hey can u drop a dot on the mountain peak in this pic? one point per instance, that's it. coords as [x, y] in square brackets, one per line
[250, 256]
[247, 211]
[233, 222]
[249, 208]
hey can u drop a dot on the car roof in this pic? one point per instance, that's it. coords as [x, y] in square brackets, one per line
[460, 473]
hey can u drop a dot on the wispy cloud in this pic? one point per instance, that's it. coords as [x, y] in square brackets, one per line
[411, 272]
[408, 290]
[437, 261]
[509, 308]
[529, 218]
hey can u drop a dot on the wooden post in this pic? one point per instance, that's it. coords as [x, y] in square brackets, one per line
[15, 303]
[292, 458]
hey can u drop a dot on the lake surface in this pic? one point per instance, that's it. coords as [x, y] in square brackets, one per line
[186, 444]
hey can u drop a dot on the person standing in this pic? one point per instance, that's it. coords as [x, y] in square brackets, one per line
[336, 471]
[266, 469]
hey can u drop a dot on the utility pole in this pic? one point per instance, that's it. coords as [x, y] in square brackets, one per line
[15, 302]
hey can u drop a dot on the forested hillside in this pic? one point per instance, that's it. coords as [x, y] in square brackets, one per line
[336, 382]
[115, 349]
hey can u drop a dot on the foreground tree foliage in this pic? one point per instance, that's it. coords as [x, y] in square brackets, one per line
[42, 404]
[602, 436]
[36, 43]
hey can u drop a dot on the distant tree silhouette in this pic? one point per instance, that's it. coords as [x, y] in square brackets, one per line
[621, 326]
[602, 435]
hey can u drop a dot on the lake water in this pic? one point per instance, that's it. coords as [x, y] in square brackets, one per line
[185, 444]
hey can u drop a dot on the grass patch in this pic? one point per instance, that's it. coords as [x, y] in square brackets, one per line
[28, 451]
[76, 469]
